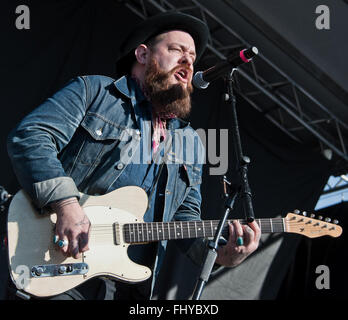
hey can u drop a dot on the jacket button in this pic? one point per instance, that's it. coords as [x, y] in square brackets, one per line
[137, 134]
[120, 166]
[99, 132]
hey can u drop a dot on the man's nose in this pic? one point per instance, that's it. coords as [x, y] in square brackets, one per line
[187, 59]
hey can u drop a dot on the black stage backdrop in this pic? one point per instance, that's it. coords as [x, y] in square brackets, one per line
[77, 37]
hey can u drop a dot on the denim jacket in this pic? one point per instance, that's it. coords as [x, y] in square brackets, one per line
[83, 137]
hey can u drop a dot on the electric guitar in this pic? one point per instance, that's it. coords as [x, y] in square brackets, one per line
[39, 269]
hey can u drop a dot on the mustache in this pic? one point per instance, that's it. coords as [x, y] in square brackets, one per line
[188, 70]
[160, 80]
[162, 75]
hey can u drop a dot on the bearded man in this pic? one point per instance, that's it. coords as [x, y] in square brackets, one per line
[99, 134]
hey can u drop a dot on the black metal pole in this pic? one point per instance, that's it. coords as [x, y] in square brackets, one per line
[242, 160]
[212, 250]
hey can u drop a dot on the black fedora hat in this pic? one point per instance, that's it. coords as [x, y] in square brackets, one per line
[156, 25]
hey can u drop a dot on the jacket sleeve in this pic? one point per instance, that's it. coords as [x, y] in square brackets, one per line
[34, 144]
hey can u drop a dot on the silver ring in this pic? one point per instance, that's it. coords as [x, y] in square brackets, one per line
[62, 243]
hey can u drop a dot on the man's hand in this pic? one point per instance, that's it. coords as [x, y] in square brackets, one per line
[72, 226]
[233, 253]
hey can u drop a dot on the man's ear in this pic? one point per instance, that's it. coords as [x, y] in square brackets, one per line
[141, 53]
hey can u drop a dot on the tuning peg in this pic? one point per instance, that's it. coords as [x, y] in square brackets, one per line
[312, 215]
[335, 221]
[327, 220]
[320, 217]
[304, 213]
[297, 211]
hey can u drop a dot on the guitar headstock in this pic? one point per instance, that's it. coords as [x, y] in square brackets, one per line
[311, 227]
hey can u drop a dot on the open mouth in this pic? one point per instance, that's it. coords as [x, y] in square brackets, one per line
[182, 75]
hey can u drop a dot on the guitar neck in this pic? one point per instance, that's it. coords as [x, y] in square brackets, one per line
[156, 231]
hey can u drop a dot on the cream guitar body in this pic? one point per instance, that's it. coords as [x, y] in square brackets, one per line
[30, 242]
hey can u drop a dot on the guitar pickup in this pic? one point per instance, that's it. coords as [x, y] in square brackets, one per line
[117, 236]
[54, 270]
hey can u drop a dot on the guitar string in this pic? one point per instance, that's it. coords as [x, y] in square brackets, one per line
[168, 234]
[166, 227]
[149, 234]
[170, 227]
[144, 229]
[172, 223]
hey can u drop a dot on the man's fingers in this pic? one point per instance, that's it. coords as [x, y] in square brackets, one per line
[74, 247]
[63, 243]
[248, 235]
[238, 230]
[232, 233]
[83, 242]
[257, 231]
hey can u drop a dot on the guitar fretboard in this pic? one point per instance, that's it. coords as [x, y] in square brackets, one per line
[156, 231]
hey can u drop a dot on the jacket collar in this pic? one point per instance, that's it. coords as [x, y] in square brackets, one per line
[128, 87]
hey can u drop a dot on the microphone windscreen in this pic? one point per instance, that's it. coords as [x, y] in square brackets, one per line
[198, 81]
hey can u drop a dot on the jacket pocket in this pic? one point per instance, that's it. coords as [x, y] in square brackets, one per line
[102, 129]
[91, 145]
[99, 136]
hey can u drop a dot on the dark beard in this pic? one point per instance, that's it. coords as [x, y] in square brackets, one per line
[167, 99]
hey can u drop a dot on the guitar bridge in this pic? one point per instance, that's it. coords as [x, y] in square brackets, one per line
[54, 270]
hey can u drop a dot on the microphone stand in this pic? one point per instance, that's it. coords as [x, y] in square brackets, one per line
[242, 160]
[230, 194]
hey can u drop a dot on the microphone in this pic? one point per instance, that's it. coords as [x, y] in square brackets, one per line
[202, 79]
[4, 196]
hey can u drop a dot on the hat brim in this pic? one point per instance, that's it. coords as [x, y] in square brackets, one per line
[160, 24]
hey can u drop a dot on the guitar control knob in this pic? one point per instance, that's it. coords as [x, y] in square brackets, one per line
[62, 269]
[304, 213]
[335, 221]
[320, 218]
[38, 271]
[312, 215]
[297, 211]
[327, 220]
